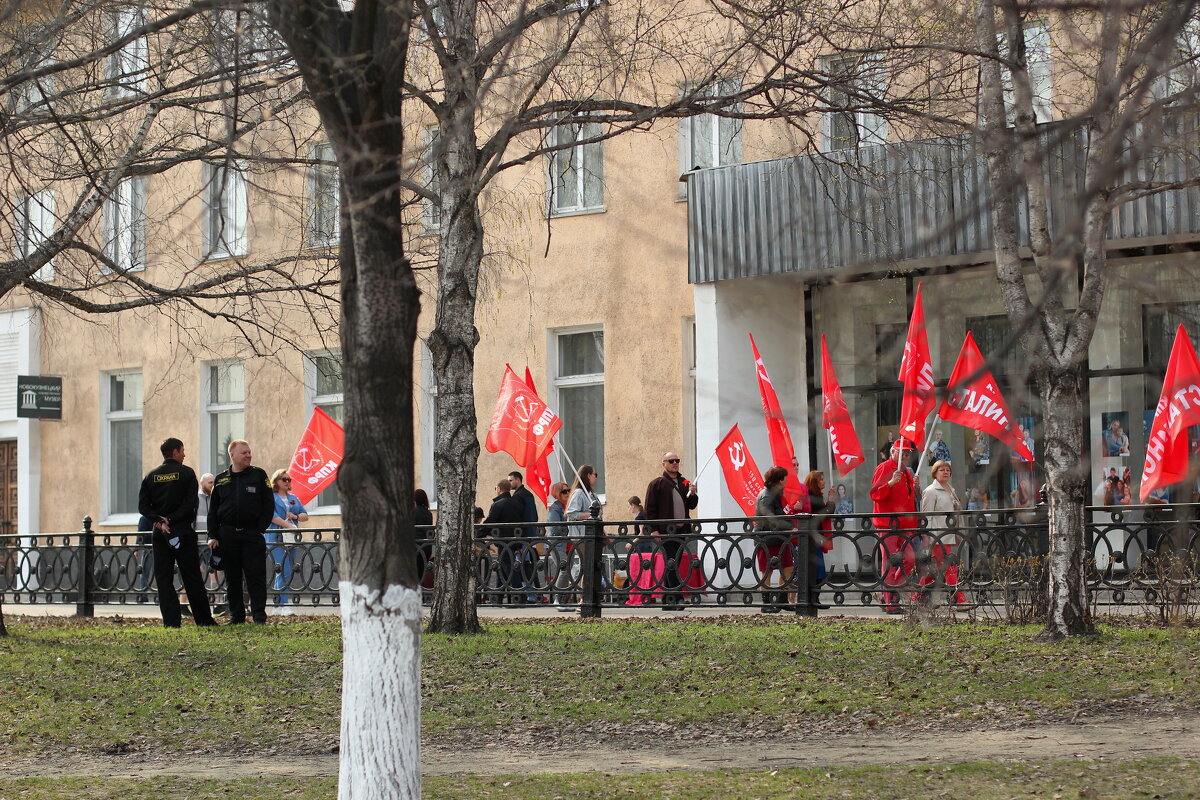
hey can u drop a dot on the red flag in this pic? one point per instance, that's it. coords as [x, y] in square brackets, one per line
[741, 473]
[973, 399]
[537, 476]
[916, 373]
[780, 439]
[835, 418]
[1178, 409]
[522, 425]
[314, 466]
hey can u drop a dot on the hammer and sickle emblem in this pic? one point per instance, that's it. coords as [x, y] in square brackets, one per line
[523, 411]
[737, 455]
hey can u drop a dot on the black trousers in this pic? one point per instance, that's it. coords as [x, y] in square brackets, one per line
[244, 555]
[188, 559]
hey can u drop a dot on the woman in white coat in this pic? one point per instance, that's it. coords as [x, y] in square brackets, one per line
[938, 500]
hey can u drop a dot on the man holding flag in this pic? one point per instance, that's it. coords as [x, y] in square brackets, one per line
[894, 492]
[671, 496]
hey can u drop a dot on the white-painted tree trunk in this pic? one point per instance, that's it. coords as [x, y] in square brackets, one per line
[381, 694]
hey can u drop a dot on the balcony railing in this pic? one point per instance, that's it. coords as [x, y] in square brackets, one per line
[920, 203]
[970, 558]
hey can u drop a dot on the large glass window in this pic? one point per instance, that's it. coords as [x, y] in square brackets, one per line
[225, 207]
[431, 211]
[324, 199]
[122, 446]
[1037, 65]
[125, 225]
[579, 387]
[577, 170]
[35, 224]
[709, 140]
[324, 381]
[38, 92]
[225, 393]
[128, 66]
[855, 82]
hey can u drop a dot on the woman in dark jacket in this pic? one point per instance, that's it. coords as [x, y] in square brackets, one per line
[820, 534]
[772, 549]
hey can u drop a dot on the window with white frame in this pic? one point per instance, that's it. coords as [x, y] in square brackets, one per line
[857, 82]
[225, 211]
[323, 382]
[579, 396]
[1037, 66]
[1183, 66]
[576, 173]
[121, 447]
[125, 225]
[35, 93]
[324, 198]
[431, 211]
[224, 410]
[128, 66]
[427, 413]
[709, 140]
[244, 39]
[35, 222]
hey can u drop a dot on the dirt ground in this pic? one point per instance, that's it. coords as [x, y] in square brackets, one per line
[1111, 738]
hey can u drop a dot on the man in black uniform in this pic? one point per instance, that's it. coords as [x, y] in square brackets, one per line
[239, 510]
[505, 509]
[168, 501]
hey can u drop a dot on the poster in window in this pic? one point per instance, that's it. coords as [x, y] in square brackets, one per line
[1114, 438]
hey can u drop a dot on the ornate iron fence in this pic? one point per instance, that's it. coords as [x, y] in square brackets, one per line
[969, 558]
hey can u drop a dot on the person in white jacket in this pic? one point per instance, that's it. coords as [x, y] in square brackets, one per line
[938, 501]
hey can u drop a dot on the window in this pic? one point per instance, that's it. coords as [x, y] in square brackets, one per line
[324, 199]
[224, 405]
[121, 448]
[856, 82]
[579, 390]
[577, 170]
[427, 420]
[709, 140]
[125, 225]
[244, 39]
[128, 66]
[431, 211]
[36, 92]
[1182, 66]
[1037, 64]
[225, 207]
[35, 223]
[323, 382]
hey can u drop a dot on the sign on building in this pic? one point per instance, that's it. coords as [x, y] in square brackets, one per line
[39, 397]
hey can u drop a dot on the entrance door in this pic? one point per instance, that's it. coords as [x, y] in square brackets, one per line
[8, 486]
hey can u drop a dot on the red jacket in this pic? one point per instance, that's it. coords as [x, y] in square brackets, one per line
[896, 499]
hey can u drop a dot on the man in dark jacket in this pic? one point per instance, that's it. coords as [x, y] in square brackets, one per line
[505, 509]
[526, 554]
[240, 509]
[167, 500]
[671, 496]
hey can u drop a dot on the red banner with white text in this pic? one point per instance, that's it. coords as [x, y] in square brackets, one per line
[537, 476]
[778, 435]
[522, 425]
[315, 464]
[973, 399]
[916, 373]
[835, 418]
[1178, 409]
[741, 473]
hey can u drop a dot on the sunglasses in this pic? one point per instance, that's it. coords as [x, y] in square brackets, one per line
[289, 480]
[670, 460]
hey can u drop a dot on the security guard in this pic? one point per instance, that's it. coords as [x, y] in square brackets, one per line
[240, 509]
[168, 501]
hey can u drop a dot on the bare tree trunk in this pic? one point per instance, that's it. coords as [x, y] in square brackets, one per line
[3, 629]
[1067, 476]
[381, 601]
[456, 455]
[454, 337]
[353, 65]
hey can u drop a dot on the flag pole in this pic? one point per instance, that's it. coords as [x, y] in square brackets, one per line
[586, 489]
[706, 463]
[929, 437]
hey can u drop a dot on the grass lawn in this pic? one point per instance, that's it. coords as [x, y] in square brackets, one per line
[1146, 778]
[119, 686]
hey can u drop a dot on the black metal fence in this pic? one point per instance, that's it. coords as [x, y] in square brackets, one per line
[966, 559]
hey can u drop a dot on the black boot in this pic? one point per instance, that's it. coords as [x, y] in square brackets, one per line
[769, 607]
